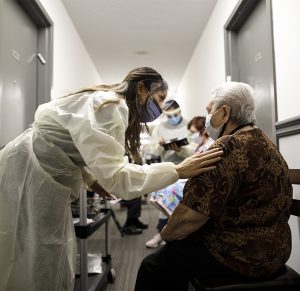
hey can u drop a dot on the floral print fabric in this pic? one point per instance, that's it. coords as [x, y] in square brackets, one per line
[247, 198]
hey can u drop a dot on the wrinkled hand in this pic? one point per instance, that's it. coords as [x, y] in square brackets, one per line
[198, 163]
[97, 188]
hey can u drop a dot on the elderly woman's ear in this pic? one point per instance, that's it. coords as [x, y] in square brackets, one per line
[226, 110]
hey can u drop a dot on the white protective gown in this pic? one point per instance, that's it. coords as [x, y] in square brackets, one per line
[41, 173]
[166, 131]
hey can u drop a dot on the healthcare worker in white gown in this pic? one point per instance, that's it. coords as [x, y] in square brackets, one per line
[78, 137]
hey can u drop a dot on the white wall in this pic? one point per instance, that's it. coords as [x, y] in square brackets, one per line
[288, 147]
[286, 25]
[206, 69]
[72, 65]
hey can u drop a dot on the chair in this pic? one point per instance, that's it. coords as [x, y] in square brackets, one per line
[285, 279]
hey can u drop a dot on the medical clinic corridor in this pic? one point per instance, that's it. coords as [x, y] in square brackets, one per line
[149, 145]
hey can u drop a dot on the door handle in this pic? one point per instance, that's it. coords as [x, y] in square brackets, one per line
[41, 58]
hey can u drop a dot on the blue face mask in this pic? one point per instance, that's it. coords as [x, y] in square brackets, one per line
[151, 111]
[174, 120]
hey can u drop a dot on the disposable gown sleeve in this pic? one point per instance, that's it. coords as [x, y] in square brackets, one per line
[98, 138]
[154, 147]
[88, 178]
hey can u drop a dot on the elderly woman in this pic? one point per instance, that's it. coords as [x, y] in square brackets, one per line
[232, 221]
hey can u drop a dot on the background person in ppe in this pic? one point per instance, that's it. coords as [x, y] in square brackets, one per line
[199, 135]
[41, 172]
[174, 126]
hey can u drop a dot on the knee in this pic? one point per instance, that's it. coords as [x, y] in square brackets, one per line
[147, 262]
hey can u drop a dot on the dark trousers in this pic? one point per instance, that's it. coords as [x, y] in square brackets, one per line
[161, 223]
[173, 265]
[134, 208]
[90, 194]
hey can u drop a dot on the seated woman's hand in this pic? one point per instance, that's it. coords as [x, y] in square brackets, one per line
[198, 163]
[161, 141]
[174, 147]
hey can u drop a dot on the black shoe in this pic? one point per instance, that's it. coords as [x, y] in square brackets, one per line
[131, 229]
[139, 224]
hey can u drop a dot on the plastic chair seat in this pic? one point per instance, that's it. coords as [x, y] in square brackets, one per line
[286, 279]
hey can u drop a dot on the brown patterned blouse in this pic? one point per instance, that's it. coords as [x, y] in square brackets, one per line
[247, 198]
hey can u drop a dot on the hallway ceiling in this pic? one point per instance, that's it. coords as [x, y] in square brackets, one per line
[120, 35]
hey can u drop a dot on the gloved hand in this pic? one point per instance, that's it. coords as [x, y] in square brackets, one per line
[97, 188]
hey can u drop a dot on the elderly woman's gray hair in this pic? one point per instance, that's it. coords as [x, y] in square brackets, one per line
[240, 98]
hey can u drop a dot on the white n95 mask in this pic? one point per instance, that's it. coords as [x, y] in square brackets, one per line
[212, 131]
[196, 138]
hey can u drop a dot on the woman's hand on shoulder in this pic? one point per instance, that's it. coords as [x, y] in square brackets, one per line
[199, 163]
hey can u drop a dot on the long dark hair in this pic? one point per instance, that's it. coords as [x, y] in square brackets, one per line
[149, 77]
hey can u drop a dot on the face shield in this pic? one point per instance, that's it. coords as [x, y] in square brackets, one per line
[174, 116]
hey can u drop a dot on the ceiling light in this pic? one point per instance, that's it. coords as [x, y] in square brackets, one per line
[142, 53]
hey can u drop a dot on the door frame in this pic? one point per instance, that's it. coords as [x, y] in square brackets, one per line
[235, 21]
[39, 16]
[44, 24]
